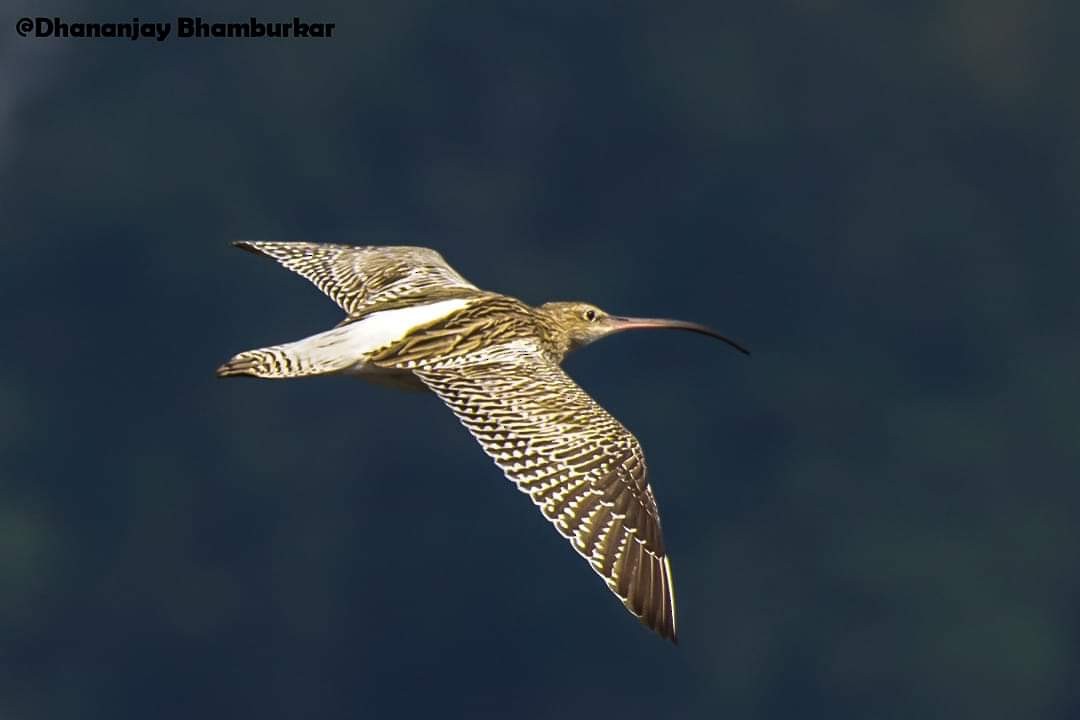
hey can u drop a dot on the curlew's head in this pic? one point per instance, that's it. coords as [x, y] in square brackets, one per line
[584, 323]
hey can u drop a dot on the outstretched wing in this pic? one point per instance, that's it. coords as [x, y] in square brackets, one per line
[357, 278]
[580, 466]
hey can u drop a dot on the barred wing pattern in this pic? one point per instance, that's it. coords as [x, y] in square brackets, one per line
[580, 466]
[360, 278]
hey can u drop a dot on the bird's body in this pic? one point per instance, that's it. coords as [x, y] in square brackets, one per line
[412, 321]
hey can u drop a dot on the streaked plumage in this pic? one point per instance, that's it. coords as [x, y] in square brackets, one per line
[412, 320]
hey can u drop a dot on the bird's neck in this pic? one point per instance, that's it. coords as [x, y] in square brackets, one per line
[556, 341]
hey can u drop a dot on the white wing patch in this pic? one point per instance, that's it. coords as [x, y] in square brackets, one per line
[380, 329]
[351, 344]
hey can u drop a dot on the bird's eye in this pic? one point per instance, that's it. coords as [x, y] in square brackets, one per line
[590, 315]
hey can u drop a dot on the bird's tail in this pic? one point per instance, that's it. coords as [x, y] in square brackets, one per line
[310, 356]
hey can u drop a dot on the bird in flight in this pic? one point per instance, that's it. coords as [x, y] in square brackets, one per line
[413, 321]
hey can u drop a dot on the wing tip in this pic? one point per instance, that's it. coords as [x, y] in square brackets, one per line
[670, 616]
[656, 612]
[248, 246]
[660, 616]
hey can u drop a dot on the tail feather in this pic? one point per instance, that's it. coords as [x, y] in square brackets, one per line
[264, 363]
[292, 360]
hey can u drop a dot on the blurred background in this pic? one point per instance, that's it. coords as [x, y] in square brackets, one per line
[873, 516]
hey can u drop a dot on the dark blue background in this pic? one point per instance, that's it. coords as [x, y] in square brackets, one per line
[874, 516]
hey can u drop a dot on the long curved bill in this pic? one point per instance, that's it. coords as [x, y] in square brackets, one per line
[632, 323]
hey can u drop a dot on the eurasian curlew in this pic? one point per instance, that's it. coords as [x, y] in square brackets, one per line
[412, 320]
